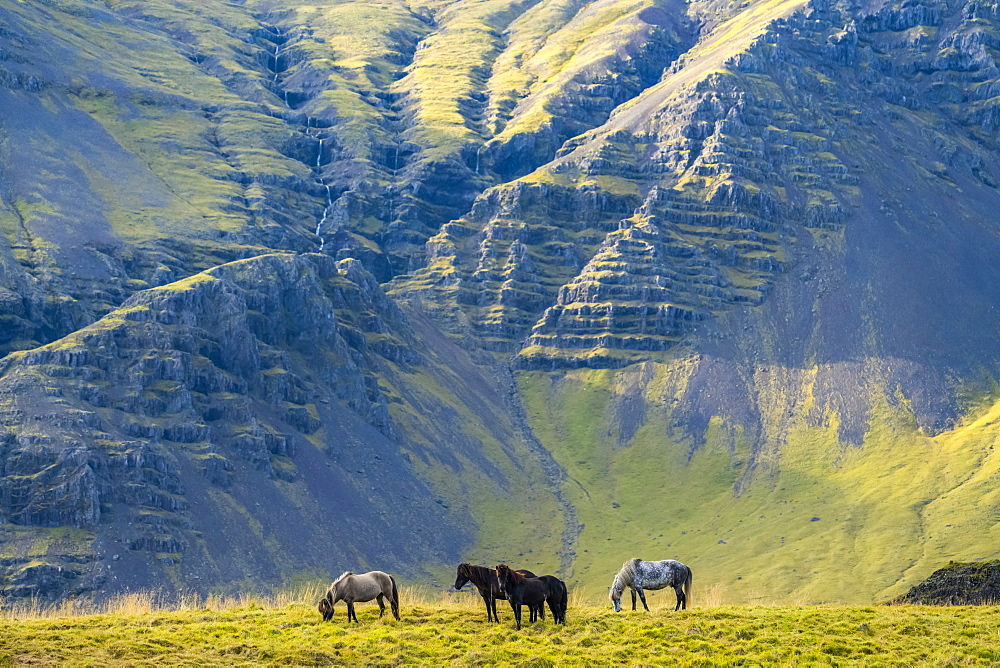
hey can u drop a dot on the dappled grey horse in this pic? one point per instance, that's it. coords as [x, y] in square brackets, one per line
[639, 575]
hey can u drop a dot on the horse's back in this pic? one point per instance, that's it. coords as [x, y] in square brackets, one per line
[671, 563]
[667, 564]
[384, 580]
[367, 586]
[658, 574]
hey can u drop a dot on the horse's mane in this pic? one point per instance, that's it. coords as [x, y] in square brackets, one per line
[477, 575]
[331, 593]
[516, 578]
[624, 577]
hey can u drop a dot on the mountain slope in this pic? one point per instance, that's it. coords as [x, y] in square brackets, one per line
[267, 418]
[733, 261]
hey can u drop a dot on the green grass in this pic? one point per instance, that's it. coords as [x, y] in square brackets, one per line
[452, 630]
[551, 50]
[887, 513]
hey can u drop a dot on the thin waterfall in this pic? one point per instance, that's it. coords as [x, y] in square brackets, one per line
[319, 153]
[319, 227]
[277, 52]
[478, 151]
[326, 213]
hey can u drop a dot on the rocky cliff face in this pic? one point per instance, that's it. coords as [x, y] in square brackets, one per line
[243, 416]
[266, 245]
[741, 155]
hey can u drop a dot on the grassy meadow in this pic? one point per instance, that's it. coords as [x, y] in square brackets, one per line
[451, 629]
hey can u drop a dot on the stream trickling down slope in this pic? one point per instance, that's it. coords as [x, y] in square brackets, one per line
[280, 41]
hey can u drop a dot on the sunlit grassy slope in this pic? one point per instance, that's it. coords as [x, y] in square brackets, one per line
[289, 632]
[492, 157]
[822, 521]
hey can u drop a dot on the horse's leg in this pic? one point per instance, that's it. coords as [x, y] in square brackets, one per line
[517, 612]
[381, 605]
[681, 598]
[553, 607]
[642, 595]
[350, 612]
[632, 589]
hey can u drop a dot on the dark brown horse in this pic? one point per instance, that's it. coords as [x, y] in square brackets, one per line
[485, 580]
[532, 591]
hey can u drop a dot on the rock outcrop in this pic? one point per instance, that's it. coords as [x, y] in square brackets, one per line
[265, 379]
[957, 584]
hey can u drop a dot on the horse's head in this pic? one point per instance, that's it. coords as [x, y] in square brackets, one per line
[615, 593]
[462, 577]
[326, 608]
[503, 577]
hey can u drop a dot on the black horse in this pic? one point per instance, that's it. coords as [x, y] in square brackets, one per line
[485, 580]
[531, 591]
[557, 596]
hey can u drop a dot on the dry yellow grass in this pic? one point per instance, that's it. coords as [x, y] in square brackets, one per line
[284, 628]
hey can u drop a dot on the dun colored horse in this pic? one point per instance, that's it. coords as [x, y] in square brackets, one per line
[638, 575]
[353, 589]
[485, 580]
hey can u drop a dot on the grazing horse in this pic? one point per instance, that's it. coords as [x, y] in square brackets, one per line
[360, 588]
[638, 575]
[485, 580]
[521, 590]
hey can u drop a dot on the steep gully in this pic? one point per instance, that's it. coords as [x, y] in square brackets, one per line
[555, 473]
[314, 129]
[278, 56]
[275, 59]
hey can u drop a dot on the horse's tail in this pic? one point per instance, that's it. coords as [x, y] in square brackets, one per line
[395, 598]
[687, 586]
